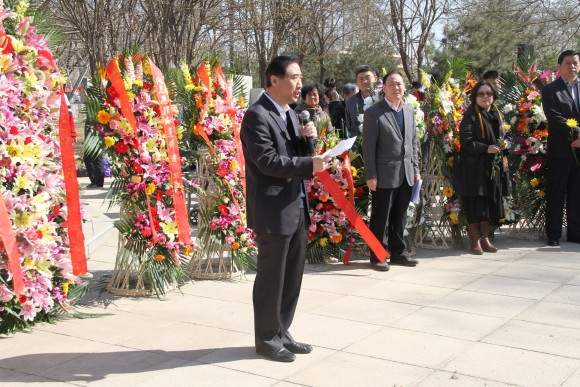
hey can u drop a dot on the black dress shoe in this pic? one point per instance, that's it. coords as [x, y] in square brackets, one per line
[296, 347]
[380, 266]
[404, 261]
[553, 242]
[277, 354]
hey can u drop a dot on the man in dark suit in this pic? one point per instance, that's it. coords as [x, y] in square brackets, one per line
[561, 102]
[278, 158]
[391, 168]
[365, 80]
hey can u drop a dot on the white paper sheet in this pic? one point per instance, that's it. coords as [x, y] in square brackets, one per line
[340, 148]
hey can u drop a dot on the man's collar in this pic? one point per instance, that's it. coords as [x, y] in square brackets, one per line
[397, 108]
[570, 83]
[280, 109]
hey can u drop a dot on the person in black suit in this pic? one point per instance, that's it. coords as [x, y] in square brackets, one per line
[278, 158]
[561, 102]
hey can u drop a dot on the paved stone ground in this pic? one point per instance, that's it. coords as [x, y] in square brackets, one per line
[511, 318]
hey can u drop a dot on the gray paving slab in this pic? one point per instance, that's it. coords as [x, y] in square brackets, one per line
[510, 318]
[512, 365]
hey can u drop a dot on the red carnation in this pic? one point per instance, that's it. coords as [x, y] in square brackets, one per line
[121, 147]
[222, 172]
[223, 209]
[56, 210]
[137, 168]
[22, 299]
[112, 92]
[327, 206]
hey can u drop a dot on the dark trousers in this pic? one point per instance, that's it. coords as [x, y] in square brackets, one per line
[95, 167]
[388, 218]
[96, 170]
[277, 286]
[563, 186]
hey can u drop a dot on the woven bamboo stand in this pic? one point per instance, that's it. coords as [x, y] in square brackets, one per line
[127, 279]
[214, 260]
[432, 233]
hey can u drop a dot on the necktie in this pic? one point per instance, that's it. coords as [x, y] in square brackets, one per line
[290, 129]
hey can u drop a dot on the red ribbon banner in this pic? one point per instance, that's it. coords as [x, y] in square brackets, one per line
[74, 224]
[350, 184]
[114, 75]
[168, 124]
[351, 214]
[9, 239]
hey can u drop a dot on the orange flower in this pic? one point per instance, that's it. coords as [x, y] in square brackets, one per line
[188, 251]
[159, 258]
[103, 117]
[235, 245]
[323, 198]
[520, 125]
[198, 101]
[336, 238]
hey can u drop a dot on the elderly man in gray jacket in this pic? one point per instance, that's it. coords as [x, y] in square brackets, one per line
[391, 167]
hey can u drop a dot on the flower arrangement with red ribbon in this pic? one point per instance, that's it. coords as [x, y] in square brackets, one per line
[524, 113]
[130, 109]
[213, 120]
[37, 275]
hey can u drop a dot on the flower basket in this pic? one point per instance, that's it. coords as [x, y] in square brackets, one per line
[434, 231]
[215, 260]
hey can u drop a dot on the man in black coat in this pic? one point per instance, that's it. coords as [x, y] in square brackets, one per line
[561, 102]
[278, 159]
[365, 80]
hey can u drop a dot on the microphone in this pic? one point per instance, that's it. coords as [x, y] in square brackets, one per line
[305, 119]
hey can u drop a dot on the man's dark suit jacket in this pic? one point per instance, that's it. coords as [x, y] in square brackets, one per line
[275, 169]
[354, 107]
[558, 107]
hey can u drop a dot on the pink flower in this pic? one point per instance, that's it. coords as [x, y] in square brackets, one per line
[230, 239]
[28, 311]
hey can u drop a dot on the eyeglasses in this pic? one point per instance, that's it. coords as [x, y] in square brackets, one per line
[485, 94]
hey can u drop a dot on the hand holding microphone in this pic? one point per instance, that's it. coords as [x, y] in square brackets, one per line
[308, 130]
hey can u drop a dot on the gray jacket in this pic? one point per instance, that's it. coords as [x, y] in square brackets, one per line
[387, 156]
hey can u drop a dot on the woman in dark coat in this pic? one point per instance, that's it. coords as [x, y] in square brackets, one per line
[311, 94]
[483, 170]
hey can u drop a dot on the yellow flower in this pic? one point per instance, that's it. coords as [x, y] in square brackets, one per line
[22, 182]
[571, 122]
[150, 188]
[448, 191]
[124, 124]
[103, 117]
[169, 228]
[189, 86]
[323, 242]
[454, 217]
[28, 262]
[450, 162]
[353, 171]
[233, 165]
[109, 141]
[179, 132]
[65, 288]
[242, 101]
[534, 182]
[22, 220]
[541, 194]
[130, 95]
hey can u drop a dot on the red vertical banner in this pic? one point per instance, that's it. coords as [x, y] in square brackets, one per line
[74, 222]
[114, 75]
[167, 121]
[9, 239]
[350, 184]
